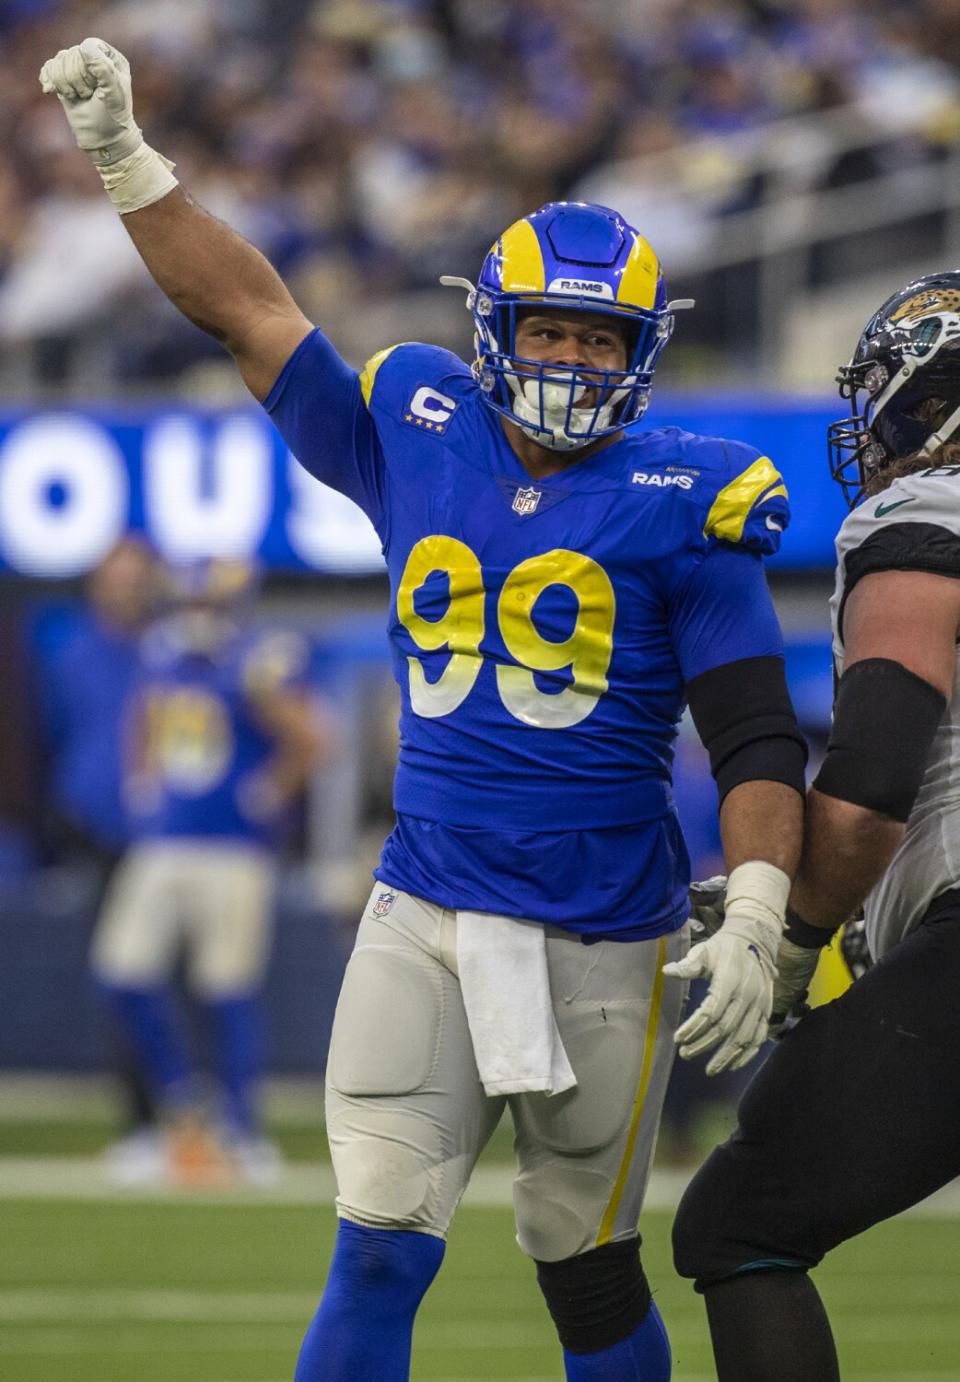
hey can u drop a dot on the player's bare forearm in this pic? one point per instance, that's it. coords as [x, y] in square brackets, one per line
[762, 820]
[846, 849]
[221, 283]
[303, 739]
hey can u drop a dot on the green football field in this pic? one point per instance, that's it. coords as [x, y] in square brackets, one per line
[150, 1292]
[96, 1287]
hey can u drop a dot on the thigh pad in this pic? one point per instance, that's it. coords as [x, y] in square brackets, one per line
[386, 1032]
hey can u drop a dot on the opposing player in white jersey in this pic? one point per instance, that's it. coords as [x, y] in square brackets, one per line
[854, 1116]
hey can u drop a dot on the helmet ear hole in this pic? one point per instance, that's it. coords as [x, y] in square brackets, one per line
[931, 410]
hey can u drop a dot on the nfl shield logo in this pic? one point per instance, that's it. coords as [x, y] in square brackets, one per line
[526, 500]
[383, 904]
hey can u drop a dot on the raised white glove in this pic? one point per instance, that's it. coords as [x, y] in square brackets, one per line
[92, 83]
[740, 962]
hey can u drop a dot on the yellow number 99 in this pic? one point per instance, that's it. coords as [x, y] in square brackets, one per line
[587, 651]
[460, 628]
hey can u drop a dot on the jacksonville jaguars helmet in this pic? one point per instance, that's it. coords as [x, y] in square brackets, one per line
[907, 368]
[579, 256]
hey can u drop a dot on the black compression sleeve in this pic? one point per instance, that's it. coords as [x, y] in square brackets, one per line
[745, 718]
[884, 720]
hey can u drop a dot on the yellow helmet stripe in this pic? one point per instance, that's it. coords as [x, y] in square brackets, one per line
[638, 282]
[522, 260]
[732, 506]
[369, 372]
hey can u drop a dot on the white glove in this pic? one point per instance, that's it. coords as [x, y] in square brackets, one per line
[740, 962]
[796, 965]
[92, 83]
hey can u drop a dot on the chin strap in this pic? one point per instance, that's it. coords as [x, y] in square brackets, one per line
[941, 435]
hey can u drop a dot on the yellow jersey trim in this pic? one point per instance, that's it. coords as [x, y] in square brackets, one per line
[649, 1046]
[638, 282]
[731, 508]
[521, 259]
[368, 374]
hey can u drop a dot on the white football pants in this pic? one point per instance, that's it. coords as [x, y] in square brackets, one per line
[407, 1116]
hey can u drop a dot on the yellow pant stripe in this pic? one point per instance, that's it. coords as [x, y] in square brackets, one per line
[649, 1046]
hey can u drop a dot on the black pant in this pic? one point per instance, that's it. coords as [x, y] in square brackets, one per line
[854, 1117]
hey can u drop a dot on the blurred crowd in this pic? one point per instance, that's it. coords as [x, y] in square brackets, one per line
[367, 145]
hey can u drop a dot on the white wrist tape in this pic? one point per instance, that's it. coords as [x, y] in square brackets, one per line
[138, 180]
[758, 890]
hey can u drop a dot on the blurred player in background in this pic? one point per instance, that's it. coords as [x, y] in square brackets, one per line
[559, 586]
[854, 1116]
[223, 739]
[85, 682]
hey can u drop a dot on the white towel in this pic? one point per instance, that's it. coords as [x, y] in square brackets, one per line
[502, 964]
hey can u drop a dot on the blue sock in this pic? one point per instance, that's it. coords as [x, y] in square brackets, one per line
[643, 1356]
[237, 1031]
[364, 1325]
[149, 1019]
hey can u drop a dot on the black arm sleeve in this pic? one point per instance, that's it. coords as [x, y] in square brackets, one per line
[884, 720]
[745, 718]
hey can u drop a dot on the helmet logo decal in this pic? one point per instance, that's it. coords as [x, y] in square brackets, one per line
[577, 286]
[925, 304]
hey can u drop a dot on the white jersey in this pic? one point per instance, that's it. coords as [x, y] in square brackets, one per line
[914, 525]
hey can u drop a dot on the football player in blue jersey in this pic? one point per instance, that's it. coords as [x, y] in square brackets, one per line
[224, 734]
[561, 583]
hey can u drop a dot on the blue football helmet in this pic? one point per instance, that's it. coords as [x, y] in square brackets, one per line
[203, 597]
[571, 255]
[221, 582]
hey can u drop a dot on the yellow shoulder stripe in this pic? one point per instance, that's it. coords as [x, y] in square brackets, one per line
[369, 372]
[729, 511]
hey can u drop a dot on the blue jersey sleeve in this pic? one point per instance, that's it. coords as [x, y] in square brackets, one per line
[721, 611]
[319, 407]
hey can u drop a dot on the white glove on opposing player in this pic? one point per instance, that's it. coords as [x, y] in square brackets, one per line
[740, 962]
[796, 965]
[92, 83]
